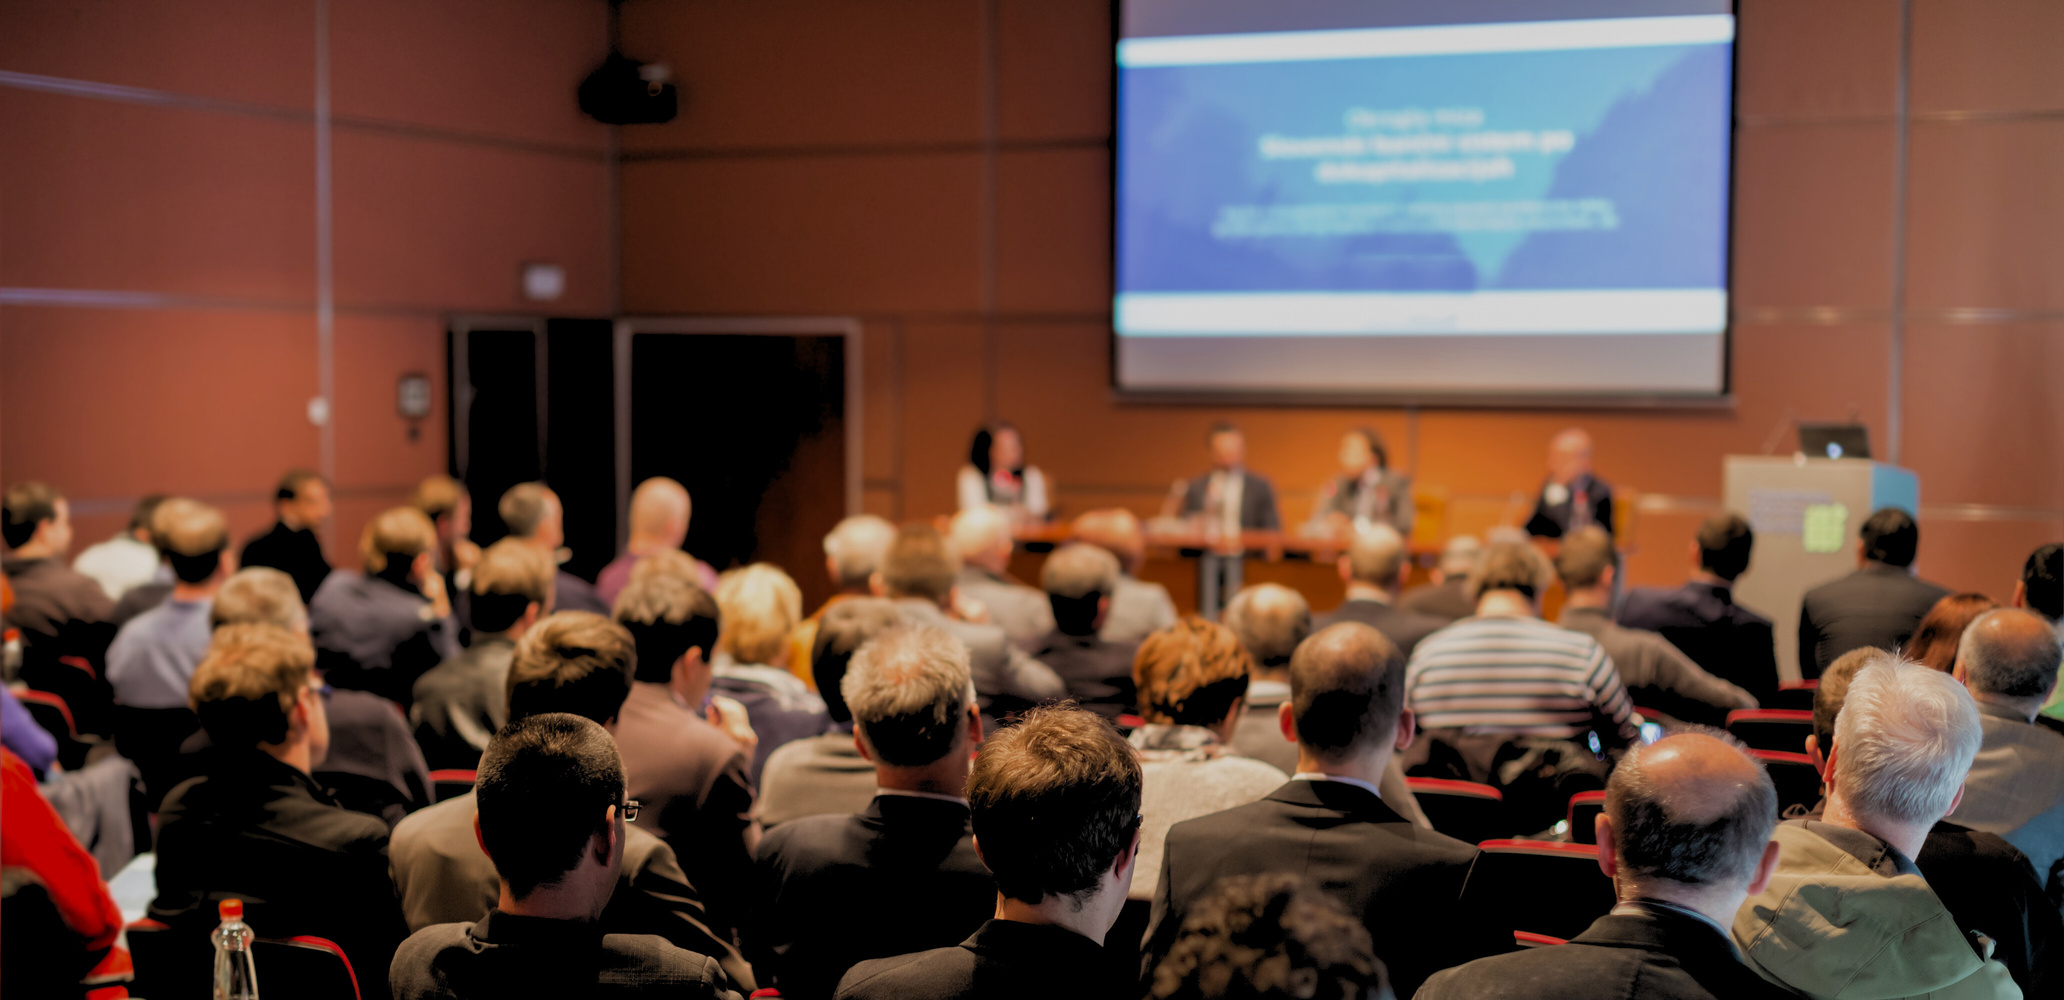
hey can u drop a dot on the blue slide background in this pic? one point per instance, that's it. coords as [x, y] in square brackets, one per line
[1652, 135]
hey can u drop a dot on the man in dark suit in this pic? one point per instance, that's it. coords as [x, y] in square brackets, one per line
[1880, 604]
[1080, 581]
[910, 855]
[1685, 837]
[1375, 569]
[302, 504]
[1056, 804]
[552, 815]
[1572, 497]
[1331, 825]
[918, 574]
[1701, 619]
[1230, 497]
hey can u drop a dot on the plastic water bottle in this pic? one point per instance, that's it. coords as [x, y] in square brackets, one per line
[236, 978]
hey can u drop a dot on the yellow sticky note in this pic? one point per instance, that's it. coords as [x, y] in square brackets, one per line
[1826, 527]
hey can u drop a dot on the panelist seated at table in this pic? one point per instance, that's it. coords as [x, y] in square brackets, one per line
[1573, 496]
[996, 474]
[1366, 493]
[1229, 498]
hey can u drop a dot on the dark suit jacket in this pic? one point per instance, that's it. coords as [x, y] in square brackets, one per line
[1257, 501]
[1725, 639]
[1990, 887]
[1877, 605]
[504, 955]
[911, 859]
[1403, 627]
[1659, 954]
[1098, 673]
[1551, 520]
[692, 782]
[571, 593]
[1404, 882]
[293, 551]
[1004, 960]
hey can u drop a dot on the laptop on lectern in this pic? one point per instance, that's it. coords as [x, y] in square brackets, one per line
[1834, 440]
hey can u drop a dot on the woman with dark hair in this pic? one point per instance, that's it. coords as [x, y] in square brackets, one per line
[996, 473]
[1366, 493]
[1935, 642]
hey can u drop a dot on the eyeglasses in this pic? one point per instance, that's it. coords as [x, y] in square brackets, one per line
[630, 810]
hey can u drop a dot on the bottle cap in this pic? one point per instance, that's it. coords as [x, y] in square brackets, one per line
[230, 909]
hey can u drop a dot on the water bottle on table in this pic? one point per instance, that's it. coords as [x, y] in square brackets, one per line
[236, 978]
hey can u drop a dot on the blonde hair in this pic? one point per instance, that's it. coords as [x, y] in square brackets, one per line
[259, 595]
[438, 495]
[188, 527]
[397, 531]
[511, 567]
[760, 607]
[245, 688]
[667, 562]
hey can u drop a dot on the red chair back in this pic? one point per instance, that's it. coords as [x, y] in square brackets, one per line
[1795, 695]
[452, 783]
[1584, 808]
[1464, 810]
[309, 968]
[1539, 887]
[1778, 729]
[1797, 780]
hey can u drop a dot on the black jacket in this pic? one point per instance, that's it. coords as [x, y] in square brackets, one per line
[1990, 888]
[1657, 954]
[1552, 520]
[897, 877]
[1402, 626]
[1257, 501]
[1404, 882]
[1725, 639]
[1004, 960]
[293, 551]
[1877, 605]
[1098, 673]
[503, 955]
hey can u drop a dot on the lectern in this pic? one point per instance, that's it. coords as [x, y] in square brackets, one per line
[1806, 512]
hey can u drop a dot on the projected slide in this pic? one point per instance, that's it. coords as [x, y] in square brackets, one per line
[1536, 207]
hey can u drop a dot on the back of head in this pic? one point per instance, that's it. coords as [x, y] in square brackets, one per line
[1724, 544]
[1834, 688]
[1347, 688]
[508, 579]
[856, 547]
[525, 508]
[1056, 799]
[244, 689]
[761, 606]
[1269, 936]
[1190, 673]
[1934, 642]
[979, 530]
[2010, 654]
[909, 690]
[920, 564]
[259, 595]
[293, 482]
[660, 510]
[1270, 620]
[1511, 566]
[544, 790]
[1459, 556]
[2042, 576]
[845, 627]
[394, 538]
[191, 535]
[1694, 809]
[1076, 576]
[25, 505]
[1115, 531]
[146, 508]
[438, 496]
[666, 617]
[1585, 556]
[573, 661]
[1904, 742]
[1376, 556]
[1890, 536]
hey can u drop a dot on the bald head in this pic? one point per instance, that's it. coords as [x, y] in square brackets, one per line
[981, 536]
[659, 513]
[1115, 531]
[1270, 620]
[1347, 690]
[1376, 556]
[2009, 655]
[1693, 810]
[1569, 455]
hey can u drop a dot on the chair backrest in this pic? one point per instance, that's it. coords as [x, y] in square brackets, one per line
[305, 968]
[55, 716]
[1795, 695]
[451, 783]
[1463, 810]
[1771, 728]
[1584, 808]
[1797, 780]
[1541, 887]
[170, 963]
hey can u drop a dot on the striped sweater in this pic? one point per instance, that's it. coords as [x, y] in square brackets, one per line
[1523, 676]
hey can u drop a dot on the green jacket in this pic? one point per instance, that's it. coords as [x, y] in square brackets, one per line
[1831, 928]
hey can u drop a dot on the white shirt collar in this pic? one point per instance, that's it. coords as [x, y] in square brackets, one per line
[941, 796]
[1321, 776]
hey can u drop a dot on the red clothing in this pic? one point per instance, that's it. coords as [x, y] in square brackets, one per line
[33, 837]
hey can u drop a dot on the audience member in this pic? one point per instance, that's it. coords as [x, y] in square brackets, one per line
[1375, 567]
[1262, 937]
[1138, 608]
[152, 660]
[1229, 498]
[64, 931]
[255, 826]
[1330, 824]
[1270, 620]
[659, 522]
[996, 474]
[535, 517]
[1847, 912]
[918, 574]
[1056, 816]
[1080, 580]
[828, 773]
[461, 703]
[908, 857]
[579, 663]
[129, 558]
[693, 778]
[301, 504]
[379, 630]
[1701, 619]
[60, 613]
[1192, 681]
[1880, 604]
[1934, 643]
[1573, 496]
[2041, 587]
[2008, 658]
[1657, 675]
[853, 552]
[550, 813]
[1367, 492]
[1447, 597]
[1685, 838]
[981, 536]
[449, 507]
[760, 607]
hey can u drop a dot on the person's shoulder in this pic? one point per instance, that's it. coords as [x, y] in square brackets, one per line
[1519, 975]
[805, 835]
[919, 975]
[660, 963]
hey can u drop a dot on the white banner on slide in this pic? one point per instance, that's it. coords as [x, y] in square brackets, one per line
[1348, 314]
[1437, 40]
